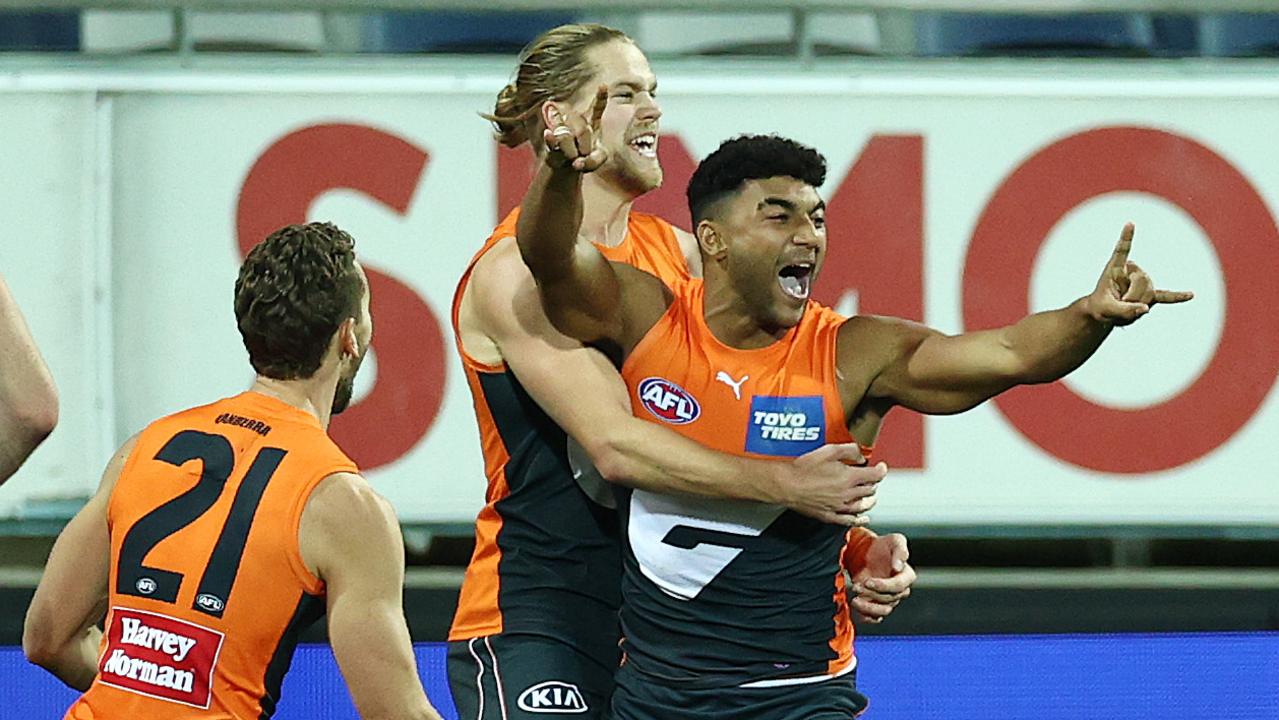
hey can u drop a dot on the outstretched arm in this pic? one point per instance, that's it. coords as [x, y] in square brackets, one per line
[28, 398]
[934, 373]
[580, 290]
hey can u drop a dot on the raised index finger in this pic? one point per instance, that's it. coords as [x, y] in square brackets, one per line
[601, 101]
[1119, 258]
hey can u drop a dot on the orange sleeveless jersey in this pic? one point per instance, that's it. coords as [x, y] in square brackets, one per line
[547, 559]
[208, 592]
[734, 592]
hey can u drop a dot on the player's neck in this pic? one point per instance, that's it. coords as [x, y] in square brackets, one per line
[605, 213]
[730, 319]
[313, 396]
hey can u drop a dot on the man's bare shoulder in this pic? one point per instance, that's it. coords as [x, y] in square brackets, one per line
[506, 302]
[500, 275]
[343, 493]
[869, 343]
[342, 513]
[875, 332]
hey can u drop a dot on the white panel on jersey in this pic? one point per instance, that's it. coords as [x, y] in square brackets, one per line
[684, 572]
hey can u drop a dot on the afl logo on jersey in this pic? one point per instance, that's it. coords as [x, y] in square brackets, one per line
[668, 402]
[145, 585]
[210, 603]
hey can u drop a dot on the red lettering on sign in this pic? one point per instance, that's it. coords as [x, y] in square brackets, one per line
[876, 249]
[515, 167]
[1232, 214]
[279, 190]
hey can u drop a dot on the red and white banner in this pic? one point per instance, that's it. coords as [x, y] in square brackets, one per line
[160, 657]
[964, 201]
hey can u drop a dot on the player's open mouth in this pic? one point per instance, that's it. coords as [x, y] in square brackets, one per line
[796, 280]
[645, 145]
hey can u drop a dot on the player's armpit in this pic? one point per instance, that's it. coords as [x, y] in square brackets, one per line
[350, 538]
[60, 632]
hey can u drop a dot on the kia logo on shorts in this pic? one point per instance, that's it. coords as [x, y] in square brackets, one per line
[552, 696]
[668, 402]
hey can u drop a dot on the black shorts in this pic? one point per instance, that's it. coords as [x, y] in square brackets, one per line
[527, 677]
[642, 697]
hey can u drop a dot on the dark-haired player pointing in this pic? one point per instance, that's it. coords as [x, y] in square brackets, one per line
[730, 609]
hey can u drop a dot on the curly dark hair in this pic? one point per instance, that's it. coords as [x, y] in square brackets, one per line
[750, 157]
[294, 289]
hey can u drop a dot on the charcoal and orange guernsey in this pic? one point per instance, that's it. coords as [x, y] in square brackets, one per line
[724, 592]
[208, 592]
[547, 559]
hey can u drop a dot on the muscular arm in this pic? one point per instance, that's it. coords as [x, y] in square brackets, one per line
[939, 374]
[934, 373]
[60, 633]
[580, 291]
[28, 398]
[351, 540]
[585, 396]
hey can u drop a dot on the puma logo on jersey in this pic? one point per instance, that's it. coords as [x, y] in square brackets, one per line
[728, 380]
[786, 426]
[552, 696]
[667, 401]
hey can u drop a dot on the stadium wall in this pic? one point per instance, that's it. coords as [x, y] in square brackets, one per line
[961, 194]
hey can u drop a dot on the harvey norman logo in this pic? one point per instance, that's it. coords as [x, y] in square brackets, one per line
[667, 401]
[160, 657]
[786, 426]
[552, 696]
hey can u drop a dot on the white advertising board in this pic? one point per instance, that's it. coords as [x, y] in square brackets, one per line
[58, 272]
[964, 200]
